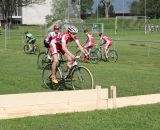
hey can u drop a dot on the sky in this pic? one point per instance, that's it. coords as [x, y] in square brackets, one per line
[120, 6]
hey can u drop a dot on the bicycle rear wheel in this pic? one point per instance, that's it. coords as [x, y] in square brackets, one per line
[81, 78]
[26, 49]
[112, 56]
[46, 74]
[42, 60]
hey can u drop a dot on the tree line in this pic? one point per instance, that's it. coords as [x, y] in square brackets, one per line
[105, 8]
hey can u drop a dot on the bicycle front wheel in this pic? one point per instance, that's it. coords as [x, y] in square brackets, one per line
[112, 56]
[81, 78]
[42, 60]
[36, 50]
[93, 57]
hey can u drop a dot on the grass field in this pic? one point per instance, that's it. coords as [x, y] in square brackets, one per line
[129, 118]
[136, 72]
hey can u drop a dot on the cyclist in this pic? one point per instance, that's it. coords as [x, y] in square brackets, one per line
[89, 43]
[106, 42]
[60, 44]
[49, 36]
[30, 40]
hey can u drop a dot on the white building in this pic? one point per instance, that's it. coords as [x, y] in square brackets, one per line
[36, 13]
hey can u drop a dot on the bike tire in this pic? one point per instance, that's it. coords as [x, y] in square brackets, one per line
[81, 78]
[42, 60]
[112, 56]
[26, 49]
[93, 57]
[46, 73]
[36, 50]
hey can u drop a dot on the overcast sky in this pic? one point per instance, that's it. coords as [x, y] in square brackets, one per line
[119, 5]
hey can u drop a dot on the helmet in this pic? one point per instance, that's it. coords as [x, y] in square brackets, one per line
[56, 27]
[72, 29]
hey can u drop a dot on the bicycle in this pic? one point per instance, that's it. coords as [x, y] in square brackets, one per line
[43, 60]
[93, 56]
[112, 54]
[79, 77]
[35, 49]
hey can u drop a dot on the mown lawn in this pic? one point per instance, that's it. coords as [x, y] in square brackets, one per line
[136, 72]
[144, 117]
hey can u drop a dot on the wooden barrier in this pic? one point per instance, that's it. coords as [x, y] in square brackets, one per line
[32, 104]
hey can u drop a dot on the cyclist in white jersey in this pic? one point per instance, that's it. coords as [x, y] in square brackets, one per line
[48, 39]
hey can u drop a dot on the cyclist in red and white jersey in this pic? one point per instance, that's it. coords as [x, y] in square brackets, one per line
[89, 43]
[106, 42]
[60, 44]
[49, 36]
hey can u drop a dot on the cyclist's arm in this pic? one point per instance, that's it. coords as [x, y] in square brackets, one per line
[99, 42]
[80, 46]
[65, 49]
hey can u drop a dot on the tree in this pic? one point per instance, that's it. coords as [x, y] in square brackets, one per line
[152, 8]
[8, 7]
[101, 10]
[86, 7]
[58, 9]
[107, 4]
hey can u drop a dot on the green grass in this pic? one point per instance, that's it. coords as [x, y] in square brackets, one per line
[136, 72]
[144, 117]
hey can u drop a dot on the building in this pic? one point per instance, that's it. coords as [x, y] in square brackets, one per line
[36, 13]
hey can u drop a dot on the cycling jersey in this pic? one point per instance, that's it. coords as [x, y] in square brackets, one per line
[106, 39]
[107, 42]
[61, 39]
[49, 38]
[30, 38]
[90, 41]
[67, 39]
[50, 35]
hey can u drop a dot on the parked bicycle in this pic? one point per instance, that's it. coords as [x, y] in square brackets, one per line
[35, 49]
[112, 54]
[79, 77]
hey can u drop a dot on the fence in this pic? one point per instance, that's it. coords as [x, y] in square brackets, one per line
[33, 104]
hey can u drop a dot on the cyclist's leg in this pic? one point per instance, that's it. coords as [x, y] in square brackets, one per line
[70, 62]
[53, 51]
[30, 45]
[106, 49]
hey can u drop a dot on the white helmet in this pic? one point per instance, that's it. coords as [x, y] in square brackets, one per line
[72, 29]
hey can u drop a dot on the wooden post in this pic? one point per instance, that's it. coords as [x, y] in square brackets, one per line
[113, 95]
[98, 88]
